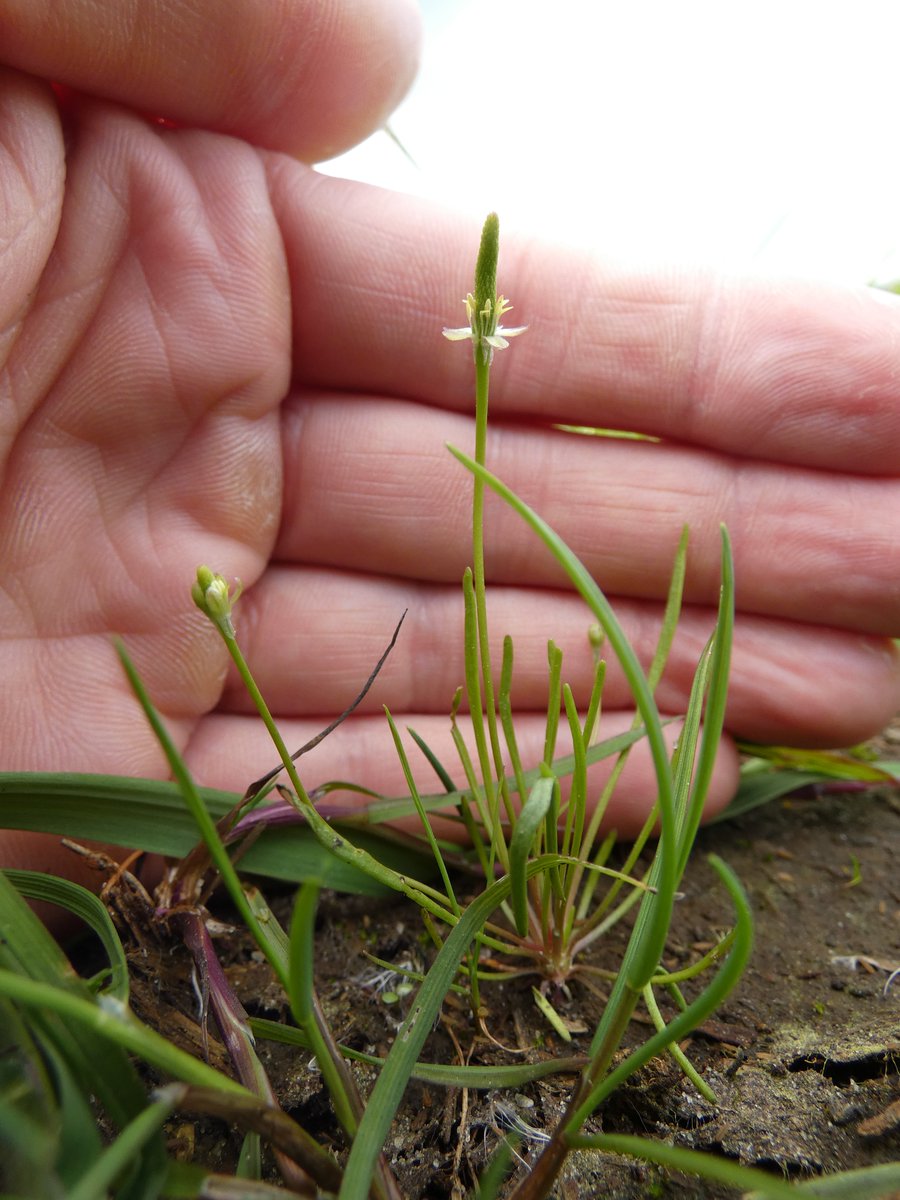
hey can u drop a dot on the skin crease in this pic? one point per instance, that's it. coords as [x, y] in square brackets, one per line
[210, 353]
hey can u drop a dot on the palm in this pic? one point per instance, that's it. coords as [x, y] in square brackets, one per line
[146, 369]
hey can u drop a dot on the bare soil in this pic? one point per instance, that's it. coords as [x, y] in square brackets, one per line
[804, 1058]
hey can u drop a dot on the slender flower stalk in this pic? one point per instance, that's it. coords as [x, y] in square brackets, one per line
[484, 308]
[213, 597]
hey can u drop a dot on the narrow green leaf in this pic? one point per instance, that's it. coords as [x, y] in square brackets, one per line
[27, 1150]
[277, 943]
[551, 1014]
[756, 790]
[300, 969]
[521, 847]
[684, 1063]
[672, 612]
[31, 959]
[491, 1179]
[574, 832]
[434, 762]
[249, 1164]
[79, 1137]
[717, 699]
[117, 1026]
[554, 701]
[151, 815]
[866, 1183]
[30, 1116]
[95, 1183]
[89, 908]
[420, 811]
[507, 723]
[831, 764]
[691, 1162]
[442, 1074]
[307, 1014]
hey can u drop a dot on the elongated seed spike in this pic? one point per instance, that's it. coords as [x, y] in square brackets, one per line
[486, 265]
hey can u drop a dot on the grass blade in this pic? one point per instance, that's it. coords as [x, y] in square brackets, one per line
[95, 1183]
[691, 1162]
[442, 1074]
[117, 1026]
[302, 997]
[89, 908]
[150, 815]
[31, 962]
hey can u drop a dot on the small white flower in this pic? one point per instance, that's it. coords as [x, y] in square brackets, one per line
[484, 329]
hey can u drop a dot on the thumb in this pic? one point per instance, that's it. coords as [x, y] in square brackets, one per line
[308, 77]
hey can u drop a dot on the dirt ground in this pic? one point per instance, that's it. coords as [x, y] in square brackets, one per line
[804, 1057]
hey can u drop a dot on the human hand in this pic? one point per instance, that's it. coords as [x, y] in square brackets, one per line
[212, 354]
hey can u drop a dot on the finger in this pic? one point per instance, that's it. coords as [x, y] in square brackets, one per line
[782, 673]
[230, 752]
[796, 372]
[310, 77]
[808, 547]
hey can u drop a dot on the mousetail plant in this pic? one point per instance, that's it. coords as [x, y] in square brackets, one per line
[544, 846]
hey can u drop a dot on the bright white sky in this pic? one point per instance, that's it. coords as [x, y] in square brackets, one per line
[756, 135]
